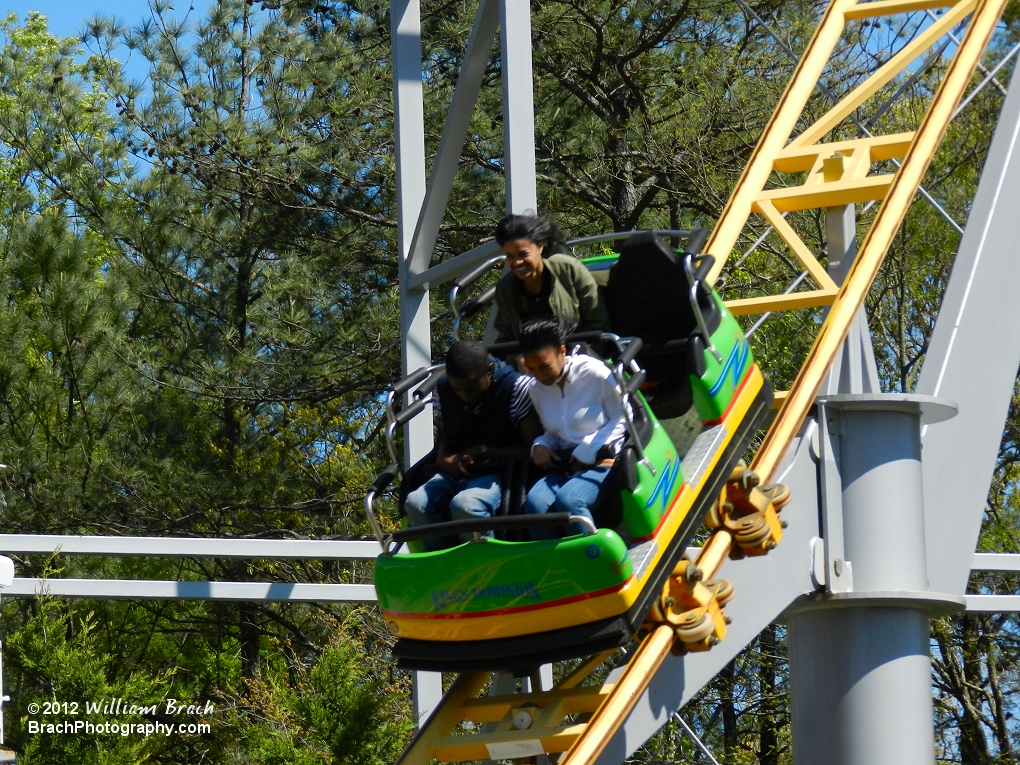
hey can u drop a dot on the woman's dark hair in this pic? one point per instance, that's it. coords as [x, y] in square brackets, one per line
[541, 231]
[542, 333]
[467, 360]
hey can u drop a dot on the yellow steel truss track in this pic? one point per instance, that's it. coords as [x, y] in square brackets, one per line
[581, 719]
[897, 193]
[838, 173]
[453, 732]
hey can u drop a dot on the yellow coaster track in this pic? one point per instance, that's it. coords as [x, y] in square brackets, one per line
[580, 720]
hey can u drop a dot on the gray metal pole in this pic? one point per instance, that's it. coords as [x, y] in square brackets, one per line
[861, 683]
[860, 670]
[518, 116]
[518, 106]
[415, 322]
[976, 330]
[854, 370]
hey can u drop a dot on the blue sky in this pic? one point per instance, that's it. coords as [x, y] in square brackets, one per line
[67, 17]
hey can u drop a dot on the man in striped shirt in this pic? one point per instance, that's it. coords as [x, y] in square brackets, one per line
[482, 403]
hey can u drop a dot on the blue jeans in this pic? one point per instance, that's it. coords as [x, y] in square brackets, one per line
[442, 498]
[577, 494]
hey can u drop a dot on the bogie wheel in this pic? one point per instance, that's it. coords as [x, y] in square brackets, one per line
[723, 589]
[697, 629]
[752, 532]
[714, 518]
[778, 494]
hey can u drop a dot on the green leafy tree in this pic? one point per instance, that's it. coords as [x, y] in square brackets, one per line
[56, 656]
[332, 712]
[263, 322]
[142, 394]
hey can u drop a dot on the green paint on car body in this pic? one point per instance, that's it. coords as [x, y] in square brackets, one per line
[495, 575]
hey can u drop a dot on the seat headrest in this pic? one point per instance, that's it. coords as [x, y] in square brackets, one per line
[647, 246]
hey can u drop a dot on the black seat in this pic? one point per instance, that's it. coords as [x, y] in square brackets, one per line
[648, 296]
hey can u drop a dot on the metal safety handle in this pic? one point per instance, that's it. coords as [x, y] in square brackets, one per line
[696, 307]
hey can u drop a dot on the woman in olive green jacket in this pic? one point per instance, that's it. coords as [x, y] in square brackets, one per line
[545, 280]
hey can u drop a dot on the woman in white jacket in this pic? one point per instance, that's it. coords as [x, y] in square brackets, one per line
[576, 399]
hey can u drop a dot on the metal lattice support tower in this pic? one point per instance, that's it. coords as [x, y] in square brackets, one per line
[643, 694]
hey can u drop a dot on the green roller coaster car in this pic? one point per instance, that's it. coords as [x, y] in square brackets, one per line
[502, 603]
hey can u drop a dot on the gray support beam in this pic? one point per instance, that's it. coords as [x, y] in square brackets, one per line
[840, 240]
[854, 370]
[146, 589]
[451, 145]
[973, 358]
[993, 604]
[450, 269]
[416, 352]
[186, 547]
[860, 670]
[836, 571]
[996, 562]
[409, 123]
[518, 106]
[764, 587]
[415, 321]
[872, 687]
[409, 116]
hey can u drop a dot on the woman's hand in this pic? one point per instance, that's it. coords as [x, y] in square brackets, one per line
[544, 457]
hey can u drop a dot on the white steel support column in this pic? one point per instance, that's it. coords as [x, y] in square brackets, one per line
[518, 106]
[415, 324]
[518, 115]
[415, 330]
[518, 134]
[860, 669]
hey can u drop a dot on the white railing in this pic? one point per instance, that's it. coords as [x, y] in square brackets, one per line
[189, 547]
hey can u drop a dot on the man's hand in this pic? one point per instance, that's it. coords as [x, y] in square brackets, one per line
[456, 465]
[544, 457]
